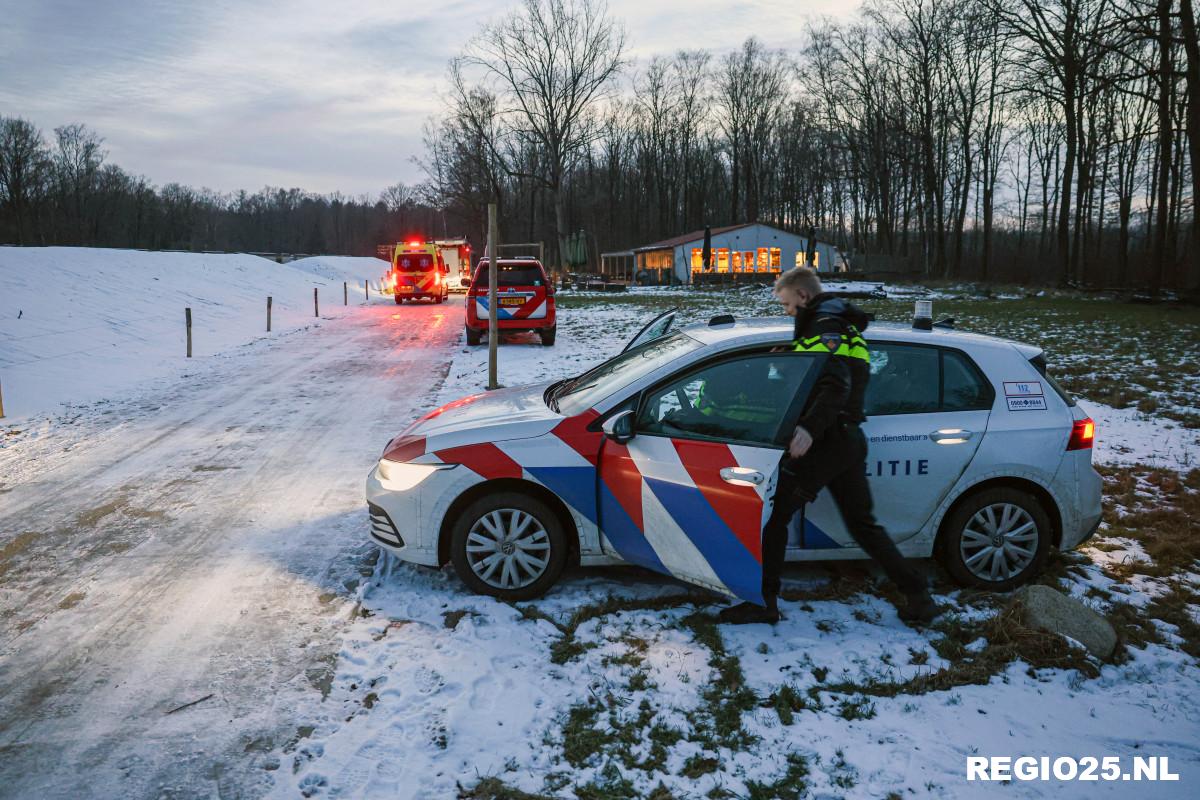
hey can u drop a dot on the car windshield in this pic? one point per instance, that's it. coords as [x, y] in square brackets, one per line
[511, 275]
[414, 262]
[576, 395]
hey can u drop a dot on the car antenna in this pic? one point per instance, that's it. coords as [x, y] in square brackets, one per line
[721, 319]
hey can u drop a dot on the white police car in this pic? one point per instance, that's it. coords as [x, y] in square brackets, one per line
[976, 457]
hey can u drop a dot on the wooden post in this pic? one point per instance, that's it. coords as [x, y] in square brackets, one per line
[316, 311]
[366, 291]
[268, 314]
[345, 294]
[1, 400]
[493, 273]
[187, 319]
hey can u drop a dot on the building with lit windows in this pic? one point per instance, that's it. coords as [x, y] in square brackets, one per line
[750, 249]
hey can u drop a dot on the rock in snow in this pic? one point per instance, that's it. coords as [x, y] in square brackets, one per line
[1050, 610]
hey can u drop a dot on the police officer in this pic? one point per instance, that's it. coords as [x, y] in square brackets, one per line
[828, 449]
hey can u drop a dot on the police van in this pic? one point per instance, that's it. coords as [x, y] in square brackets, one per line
[977, 458]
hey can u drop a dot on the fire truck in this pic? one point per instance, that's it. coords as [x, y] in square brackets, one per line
[418, 271]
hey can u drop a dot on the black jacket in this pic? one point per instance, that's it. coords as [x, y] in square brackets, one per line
[838, 393]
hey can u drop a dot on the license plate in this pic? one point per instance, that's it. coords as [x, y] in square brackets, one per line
[512, 301]
[404, 288]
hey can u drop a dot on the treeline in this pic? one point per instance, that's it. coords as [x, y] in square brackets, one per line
[62, 191]
[1017, 140]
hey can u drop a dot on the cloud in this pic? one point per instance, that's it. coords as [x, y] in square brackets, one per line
[236, 94]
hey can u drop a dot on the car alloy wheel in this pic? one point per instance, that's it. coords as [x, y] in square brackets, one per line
[508, 548]
[508, 544]
[999, 542]
[996, 539]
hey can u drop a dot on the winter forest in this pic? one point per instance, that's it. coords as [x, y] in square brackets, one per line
[1030, 141]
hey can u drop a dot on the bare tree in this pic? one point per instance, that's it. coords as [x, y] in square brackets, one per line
[551, 62]
[24, 169]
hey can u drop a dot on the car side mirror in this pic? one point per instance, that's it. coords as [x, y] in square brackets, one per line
[619, 427]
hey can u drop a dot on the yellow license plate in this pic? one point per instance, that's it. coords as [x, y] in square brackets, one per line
[404, 288]
[512, 301]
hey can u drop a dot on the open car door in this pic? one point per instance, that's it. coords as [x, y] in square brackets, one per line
[653, 329]
[688, 474]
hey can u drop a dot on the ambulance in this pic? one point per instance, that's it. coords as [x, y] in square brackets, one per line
[418, 271]
[457, 255]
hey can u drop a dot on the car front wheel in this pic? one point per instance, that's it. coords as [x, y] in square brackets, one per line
[508, 545]
[474, 336]
[997, 539]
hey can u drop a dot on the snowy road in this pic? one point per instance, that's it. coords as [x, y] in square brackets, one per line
[199, 542]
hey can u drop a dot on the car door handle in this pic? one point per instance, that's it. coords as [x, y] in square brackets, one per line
[742, 475]
[951, 435]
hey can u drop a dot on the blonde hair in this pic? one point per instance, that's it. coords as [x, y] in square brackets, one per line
[803, 279]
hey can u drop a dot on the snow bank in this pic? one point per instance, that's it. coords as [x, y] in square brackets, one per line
[82, 324]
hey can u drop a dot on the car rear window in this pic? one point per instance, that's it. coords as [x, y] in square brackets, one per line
[414, 262]
[1039, 363]
[922, 379]
[512, 275]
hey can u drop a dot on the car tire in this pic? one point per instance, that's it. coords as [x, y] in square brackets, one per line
[1006, 519]
[439, 299]
[541, 540]
[399, 300]
[474, 337]
[547, 335]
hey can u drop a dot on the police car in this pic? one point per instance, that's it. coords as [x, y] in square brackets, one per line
[977, 457]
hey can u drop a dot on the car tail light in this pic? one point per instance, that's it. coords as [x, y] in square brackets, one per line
[1083, 433]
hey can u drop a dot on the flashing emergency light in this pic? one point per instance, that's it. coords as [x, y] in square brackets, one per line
[414, 243]
[1083, 434]
[923, 315]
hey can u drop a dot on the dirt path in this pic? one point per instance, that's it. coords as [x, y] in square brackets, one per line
[196, 543]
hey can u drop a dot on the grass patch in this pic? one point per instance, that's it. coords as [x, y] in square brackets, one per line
[1159, 509]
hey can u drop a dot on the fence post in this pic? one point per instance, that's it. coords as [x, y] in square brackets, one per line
[366, 291]
[316, 312]
[1, 400]
[187, 320]
[493, 327]
[268, 313]
[345, 294]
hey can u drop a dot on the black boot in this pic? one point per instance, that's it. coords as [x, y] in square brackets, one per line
[919, 610]
[749, 613]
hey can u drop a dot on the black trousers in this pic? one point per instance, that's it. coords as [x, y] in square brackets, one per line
[838, 461]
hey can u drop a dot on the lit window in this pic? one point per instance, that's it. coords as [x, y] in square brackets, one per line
[763, 259]
[722, 259]
[776, 258]
[799, 258]
[697, 259]
[737, 261]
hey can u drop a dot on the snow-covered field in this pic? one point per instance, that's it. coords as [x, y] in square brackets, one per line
[199, 536]
[79, 324]
[483, 699]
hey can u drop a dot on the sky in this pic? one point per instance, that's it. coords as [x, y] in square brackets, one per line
[326, 96]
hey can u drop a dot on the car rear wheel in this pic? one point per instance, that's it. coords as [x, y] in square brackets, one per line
[997, 539]
[547, 335]
[508, 545]
[399, 300]
[474, 336]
